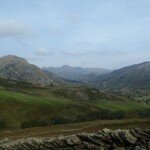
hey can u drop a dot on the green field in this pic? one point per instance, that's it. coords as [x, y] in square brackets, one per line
[24, 107]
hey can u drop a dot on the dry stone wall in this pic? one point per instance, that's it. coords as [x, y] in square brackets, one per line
[102, 140]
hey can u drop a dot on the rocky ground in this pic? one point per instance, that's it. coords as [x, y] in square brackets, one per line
[137, 139]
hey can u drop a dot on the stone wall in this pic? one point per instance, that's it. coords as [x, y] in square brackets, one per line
[104, 139]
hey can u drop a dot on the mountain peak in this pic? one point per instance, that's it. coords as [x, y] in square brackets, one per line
[11, 58]
[17, 68]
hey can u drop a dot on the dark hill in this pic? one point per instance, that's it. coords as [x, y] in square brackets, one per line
[16, 68]
[135, 76]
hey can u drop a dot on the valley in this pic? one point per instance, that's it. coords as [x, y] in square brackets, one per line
[37, 103]
[26, 107]
[74, 75]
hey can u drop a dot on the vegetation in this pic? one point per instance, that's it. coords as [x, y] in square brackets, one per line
[28, 106]
[71, 128]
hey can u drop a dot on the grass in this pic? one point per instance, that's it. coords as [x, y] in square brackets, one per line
[124, 106]
[71, 128]
[18, 97]
[30, 107]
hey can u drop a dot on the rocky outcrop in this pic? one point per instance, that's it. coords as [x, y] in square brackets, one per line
[104, 139]
[18, 69]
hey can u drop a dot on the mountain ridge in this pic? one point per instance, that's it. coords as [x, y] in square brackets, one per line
[134, 76]
[76, 73]
[17, 68]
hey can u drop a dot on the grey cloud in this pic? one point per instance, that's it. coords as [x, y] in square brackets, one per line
[56, 32]
[73, 18]
[44, 52]
[14, 29]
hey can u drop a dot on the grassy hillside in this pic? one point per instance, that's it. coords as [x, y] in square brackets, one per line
[27, 106]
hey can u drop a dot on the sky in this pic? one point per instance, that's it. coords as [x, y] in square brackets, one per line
[88, 33]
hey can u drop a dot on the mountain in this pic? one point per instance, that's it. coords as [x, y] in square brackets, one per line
[136, 77]
[16, 68]
[77, 73]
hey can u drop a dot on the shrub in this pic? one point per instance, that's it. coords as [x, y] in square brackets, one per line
[33, 123]
[2, 123]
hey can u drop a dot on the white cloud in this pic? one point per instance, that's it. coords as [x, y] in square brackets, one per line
[44, 51]
[76, 53]
[12, 28]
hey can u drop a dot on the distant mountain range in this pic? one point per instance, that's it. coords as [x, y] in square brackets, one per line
[77, 73]
[135, 76]
[16, 68]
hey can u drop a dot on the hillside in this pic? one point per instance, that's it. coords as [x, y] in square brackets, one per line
[134, 77]
[77, 73]
[27, 106]
[16, 68]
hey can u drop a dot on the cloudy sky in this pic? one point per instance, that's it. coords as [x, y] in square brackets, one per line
[89, 33]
